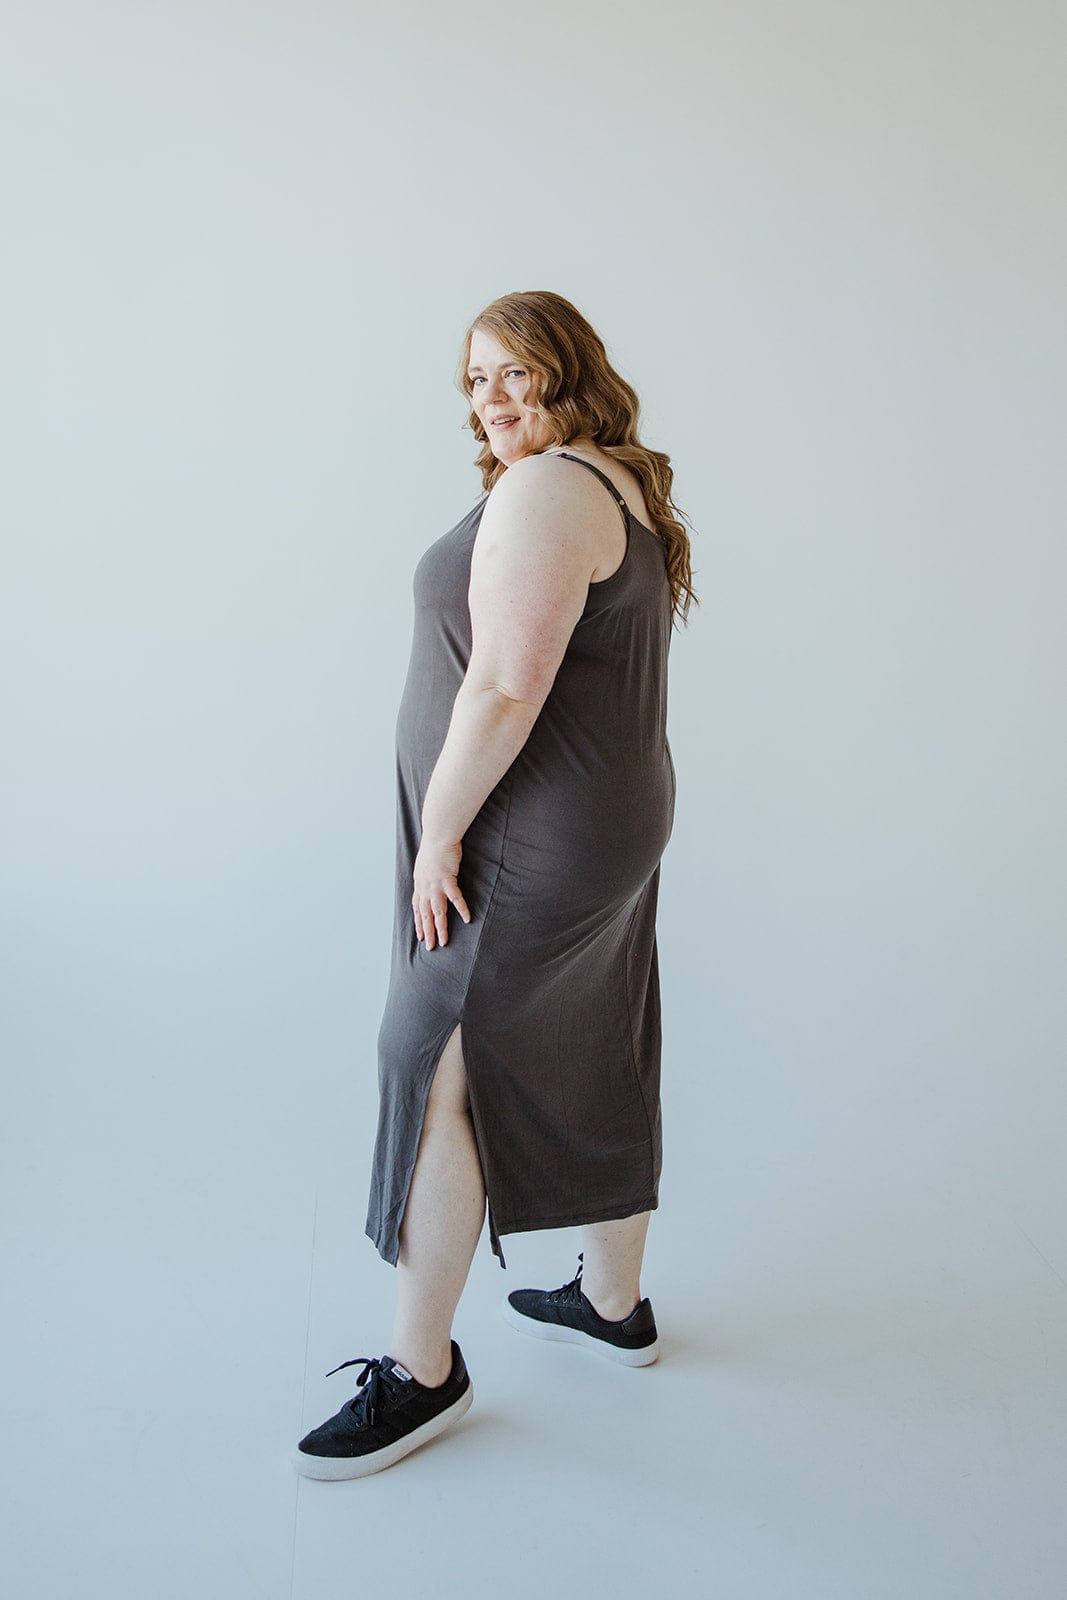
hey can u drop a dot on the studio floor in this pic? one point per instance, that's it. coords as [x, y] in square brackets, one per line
[865, 1409]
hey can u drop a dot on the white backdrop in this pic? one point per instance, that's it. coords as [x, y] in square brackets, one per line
[827, 245]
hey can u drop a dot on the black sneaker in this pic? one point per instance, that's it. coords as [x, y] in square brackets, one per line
[392, 1414]
[567, 1314]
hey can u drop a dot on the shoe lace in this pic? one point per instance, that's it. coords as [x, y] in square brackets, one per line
[570, 1293]
[364, 1405]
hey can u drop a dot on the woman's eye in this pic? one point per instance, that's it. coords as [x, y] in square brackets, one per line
[519, 371]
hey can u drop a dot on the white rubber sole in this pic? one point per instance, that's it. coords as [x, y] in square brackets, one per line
[333, 1469]
[560, 1334]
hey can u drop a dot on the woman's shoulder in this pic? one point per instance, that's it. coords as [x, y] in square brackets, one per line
[622, 477]
[530, 472]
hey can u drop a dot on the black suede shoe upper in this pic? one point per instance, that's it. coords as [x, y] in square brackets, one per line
[390, 1404]
[569, 1306]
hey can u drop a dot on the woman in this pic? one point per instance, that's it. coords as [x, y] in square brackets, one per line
[519, 1050]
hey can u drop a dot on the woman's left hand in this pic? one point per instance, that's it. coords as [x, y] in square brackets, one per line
[436, 883]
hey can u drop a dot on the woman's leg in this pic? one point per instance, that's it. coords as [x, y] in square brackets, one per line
[611, 1266]
[441, 1225]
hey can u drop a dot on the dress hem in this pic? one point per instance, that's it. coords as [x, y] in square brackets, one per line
[568, 1219]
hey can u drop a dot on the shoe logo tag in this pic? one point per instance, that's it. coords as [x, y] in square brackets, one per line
[402, 1372]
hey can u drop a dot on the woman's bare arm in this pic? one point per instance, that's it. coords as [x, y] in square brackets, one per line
[530, 569]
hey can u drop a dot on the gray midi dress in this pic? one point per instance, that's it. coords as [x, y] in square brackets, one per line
[555, 979]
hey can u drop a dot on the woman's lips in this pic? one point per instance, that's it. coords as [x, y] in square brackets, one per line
[505, 422]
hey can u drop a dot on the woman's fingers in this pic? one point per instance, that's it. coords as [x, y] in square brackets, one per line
[431, 920]
[430, 923]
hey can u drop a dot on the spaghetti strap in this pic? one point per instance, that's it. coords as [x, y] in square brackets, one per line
[624, 508]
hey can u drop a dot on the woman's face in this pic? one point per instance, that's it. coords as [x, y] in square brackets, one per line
[500, 384]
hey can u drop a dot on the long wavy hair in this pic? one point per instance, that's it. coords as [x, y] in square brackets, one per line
[577, 392]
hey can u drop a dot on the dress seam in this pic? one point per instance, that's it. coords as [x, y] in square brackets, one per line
[397, 1213]
[476, 1115]
[630, 1025]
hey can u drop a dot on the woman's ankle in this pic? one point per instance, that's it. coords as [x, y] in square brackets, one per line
[431, 1368]
[612, 1307]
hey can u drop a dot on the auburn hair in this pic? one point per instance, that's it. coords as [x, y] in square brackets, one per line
[578, 394]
